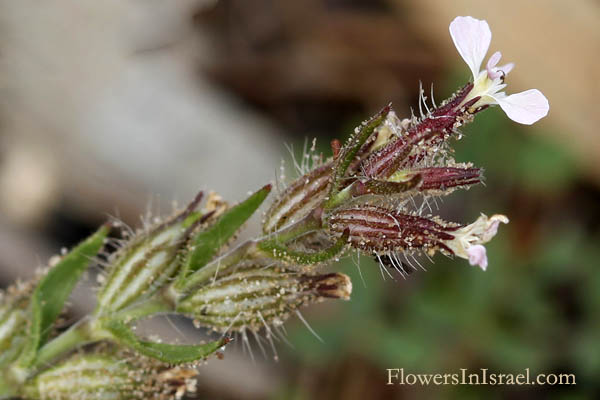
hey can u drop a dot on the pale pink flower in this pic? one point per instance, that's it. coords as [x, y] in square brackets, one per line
[478, 256]
[472, 39]
[469, 240]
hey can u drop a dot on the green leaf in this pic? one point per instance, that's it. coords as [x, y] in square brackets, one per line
[169, 353]
[54, 289]
[353, 145]
[207, 243]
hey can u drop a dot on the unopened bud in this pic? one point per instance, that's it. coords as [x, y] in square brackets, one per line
[373, 186]
[334, 285]
[384, 162]
[439, 180]
[148, 262]
[256, 296]
[419, 140]
[100, 377]
[299, 199]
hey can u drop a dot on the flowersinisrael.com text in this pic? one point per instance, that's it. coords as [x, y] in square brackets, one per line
[482, 376]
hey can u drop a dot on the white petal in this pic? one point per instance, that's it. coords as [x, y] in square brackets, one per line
[493, 61]
[492, 225]
[506, 68]
[472, 39]
[479, 232]
[493, 72]
[478, 256]
[526, 107]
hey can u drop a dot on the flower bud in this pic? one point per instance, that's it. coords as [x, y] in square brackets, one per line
[108, 376]
[148, 262]
[333, 285]
[378, 229]
[390, 128]
[304, 194]
[255, 296]
[438, 180]
[299, 199]
[419, 140]
[372, 186]
[386, 161]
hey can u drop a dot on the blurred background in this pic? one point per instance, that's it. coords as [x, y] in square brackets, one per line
[119, 107]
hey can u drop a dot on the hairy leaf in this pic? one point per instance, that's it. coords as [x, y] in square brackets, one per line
[169, 353]
[54, 289]
[207, 243]
[353, 145]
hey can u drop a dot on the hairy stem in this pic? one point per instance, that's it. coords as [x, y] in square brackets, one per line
[154, 305]
[213, 268]
[89, 330]
[76, 336]
[338, 198]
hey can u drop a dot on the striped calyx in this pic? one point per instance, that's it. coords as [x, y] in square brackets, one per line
[420, 142]
[14, 318]
[298, 199]
[386, 231]
[149, 261]
[378, 229]
[257, 296]
[369, 187]
[110, 376]
[438, 180]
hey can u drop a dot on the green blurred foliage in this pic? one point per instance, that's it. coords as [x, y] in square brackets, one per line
[515, 154]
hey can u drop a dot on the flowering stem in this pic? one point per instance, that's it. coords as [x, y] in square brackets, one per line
[211, 269]
[90, 330]
[307, 224]
[78, 335]
[156, 304]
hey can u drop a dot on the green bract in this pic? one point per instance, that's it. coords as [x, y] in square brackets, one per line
[53, 290]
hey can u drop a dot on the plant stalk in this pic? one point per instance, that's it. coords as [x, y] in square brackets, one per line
[248, 249]
[76, 336]
[90, 330]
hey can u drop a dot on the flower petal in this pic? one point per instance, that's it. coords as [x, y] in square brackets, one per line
[491, 228]
[467, 238]
[493, 72]
[506, 68]
[472, 39]
[526, 107]
[493, 61]
[478, 256]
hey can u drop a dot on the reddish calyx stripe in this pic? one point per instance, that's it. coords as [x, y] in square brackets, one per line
[299, 198]
[430, 131]
[373, 186]
[383, 163]
[454, 101]
[379, 229]
[440, 178]
[333, 285]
